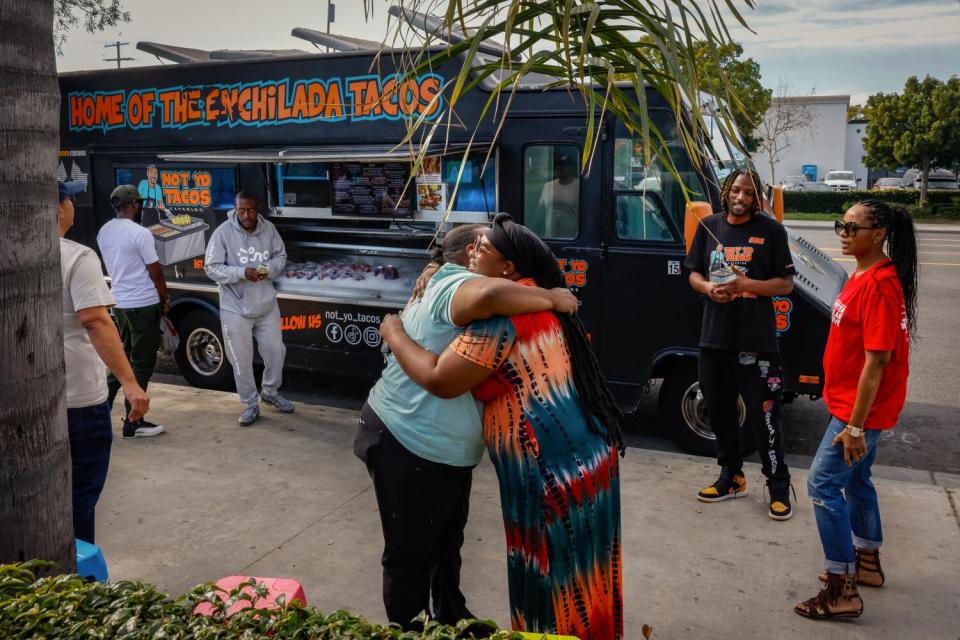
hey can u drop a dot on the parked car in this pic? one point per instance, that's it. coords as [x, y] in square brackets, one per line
[817, 186]
[794, 183]
[887, 184]
[841, 180]
[943, 179]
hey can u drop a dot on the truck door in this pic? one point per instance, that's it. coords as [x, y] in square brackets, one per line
[542, 186]
[646, 305]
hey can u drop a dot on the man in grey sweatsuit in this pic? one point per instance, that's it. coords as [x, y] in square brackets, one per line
[244, 255]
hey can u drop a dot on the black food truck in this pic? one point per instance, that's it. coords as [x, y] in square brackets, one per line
[317, 137]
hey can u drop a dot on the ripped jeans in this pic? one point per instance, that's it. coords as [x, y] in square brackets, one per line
[844, 500]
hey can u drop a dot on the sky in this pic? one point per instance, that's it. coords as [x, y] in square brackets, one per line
[825, 47]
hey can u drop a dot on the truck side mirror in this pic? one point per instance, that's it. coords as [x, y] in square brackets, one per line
[696, 211]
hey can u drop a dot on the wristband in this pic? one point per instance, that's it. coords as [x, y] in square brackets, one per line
[856, 432]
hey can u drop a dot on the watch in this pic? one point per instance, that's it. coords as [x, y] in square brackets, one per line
[856, 432]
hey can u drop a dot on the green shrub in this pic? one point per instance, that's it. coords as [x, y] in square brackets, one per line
[65, 607]
[836, 201]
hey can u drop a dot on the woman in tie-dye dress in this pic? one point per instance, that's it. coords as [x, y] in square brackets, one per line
[551, 428]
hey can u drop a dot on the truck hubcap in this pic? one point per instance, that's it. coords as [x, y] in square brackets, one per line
[694, 410]
[204, 352]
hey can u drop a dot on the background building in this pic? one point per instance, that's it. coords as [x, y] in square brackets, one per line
[827, 143]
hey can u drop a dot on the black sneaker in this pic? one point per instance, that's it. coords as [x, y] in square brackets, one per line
[140, 429]
[730, 484]
[780, 508]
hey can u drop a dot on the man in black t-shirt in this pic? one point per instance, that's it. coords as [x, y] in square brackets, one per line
[739, 260]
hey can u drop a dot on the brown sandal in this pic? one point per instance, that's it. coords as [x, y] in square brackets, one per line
[839, 588]
[868, 562]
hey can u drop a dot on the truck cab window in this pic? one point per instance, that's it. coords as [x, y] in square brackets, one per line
[641, 217]
[649, 202]
[551, 196]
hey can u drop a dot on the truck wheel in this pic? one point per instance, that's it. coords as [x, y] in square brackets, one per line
[200, 355]
[685, 411]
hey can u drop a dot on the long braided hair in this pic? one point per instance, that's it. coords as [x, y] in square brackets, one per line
[534, 259]
[901, 244]
[728, 183]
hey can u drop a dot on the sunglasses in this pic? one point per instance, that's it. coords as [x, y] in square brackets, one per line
[850, 228]
[479, 245]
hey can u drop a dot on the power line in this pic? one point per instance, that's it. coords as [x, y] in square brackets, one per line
[118, 59]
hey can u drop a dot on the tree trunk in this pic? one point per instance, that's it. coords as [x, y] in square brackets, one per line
[924, 182]
[35, 495]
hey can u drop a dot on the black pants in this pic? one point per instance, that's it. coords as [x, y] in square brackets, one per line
[759, 381]
[423, 510]
[140, 333]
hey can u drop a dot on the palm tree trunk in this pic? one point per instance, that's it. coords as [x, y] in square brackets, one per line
[35, 496]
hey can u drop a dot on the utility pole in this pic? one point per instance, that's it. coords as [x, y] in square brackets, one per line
[331, 16]
[119, 44]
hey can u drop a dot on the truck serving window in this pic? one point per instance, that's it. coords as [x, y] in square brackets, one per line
[551, 190]
[305, 184]
[648, 201]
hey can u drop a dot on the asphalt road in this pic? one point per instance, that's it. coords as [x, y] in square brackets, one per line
[927, 437]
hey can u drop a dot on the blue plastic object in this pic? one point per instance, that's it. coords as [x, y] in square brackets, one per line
[810, 170]
[90, 562]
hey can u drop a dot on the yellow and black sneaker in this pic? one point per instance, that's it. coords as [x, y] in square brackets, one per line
[780, 508]
[730, 484]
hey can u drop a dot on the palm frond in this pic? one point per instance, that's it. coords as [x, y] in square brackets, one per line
[606, 52]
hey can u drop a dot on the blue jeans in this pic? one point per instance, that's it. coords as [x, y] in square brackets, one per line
[844, 500]
[91, 435]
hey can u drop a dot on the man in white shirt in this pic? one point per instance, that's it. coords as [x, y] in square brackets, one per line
[559, 202]
[90, 339]
[140, 290]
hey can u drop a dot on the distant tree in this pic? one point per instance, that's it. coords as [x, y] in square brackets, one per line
[917, 128]
[857, 112]
[96, 15]
[721, 72]
[786, 117]
[743, 78]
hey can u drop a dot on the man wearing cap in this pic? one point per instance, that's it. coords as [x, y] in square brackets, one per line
[140, 290]
[89, 332]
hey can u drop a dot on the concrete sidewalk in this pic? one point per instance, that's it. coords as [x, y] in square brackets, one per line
[286, 497]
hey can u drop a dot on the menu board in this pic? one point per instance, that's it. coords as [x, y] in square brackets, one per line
[366, 189]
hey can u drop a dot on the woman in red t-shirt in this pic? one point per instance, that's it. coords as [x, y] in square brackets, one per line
[866, 368]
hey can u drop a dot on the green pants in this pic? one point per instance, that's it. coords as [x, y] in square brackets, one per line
[140, 333]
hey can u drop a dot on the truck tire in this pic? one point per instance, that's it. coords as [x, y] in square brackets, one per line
[200, 355]
[685, 412]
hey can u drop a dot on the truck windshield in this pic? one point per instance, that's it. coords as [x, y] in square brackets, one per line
[726, 155]
[649, 201]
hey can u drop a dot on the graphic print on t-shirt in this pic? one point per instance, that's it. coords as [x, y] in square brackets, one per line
[757, 248]
[838, 310]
